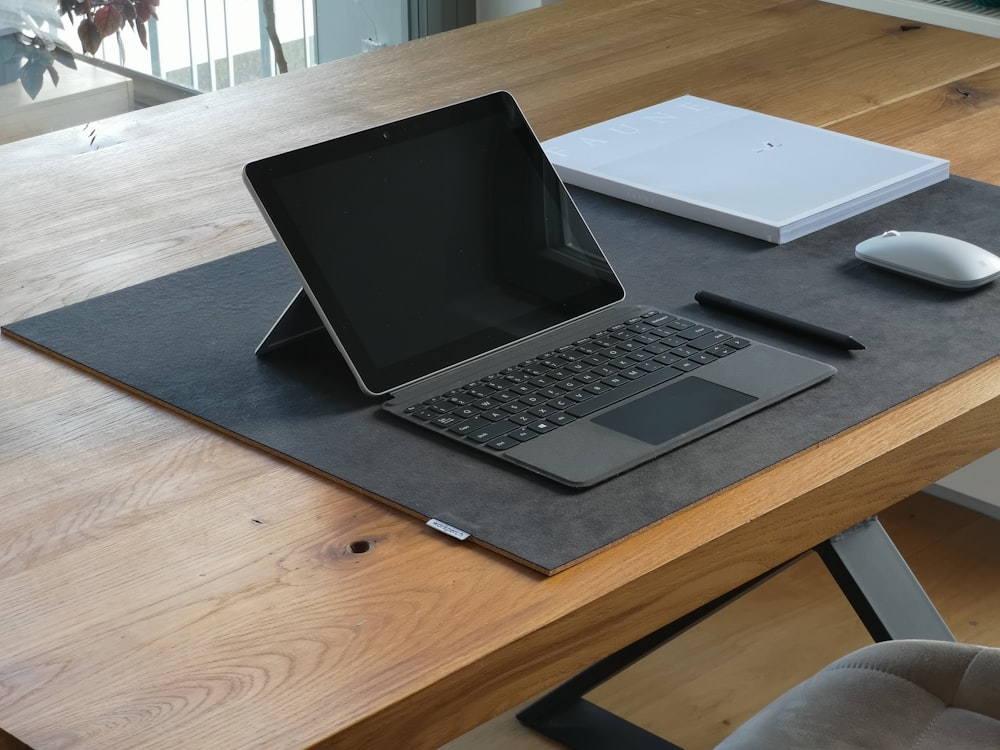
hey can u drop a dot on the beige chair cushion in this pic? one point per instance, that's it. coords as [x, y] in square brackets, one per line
[918, 695]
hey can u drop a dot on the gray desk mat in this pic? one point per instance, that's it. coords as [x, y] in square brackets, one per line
[187, 340]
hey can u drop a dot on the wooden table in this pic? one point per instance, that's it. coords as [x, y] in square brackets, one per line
[162, 586]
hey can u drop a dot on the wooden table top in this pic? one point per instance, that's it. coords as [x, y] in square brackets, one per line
[164, 586]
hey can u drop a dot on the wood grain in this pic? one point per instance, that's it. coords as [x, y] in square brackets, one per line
[164, 586]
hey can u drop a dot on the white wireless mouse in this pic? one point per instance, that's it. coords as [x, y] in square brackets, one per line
[933, 257]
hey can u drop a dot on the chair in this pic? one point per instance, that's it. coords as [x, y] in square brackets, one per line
[915, 688]
[913, 694]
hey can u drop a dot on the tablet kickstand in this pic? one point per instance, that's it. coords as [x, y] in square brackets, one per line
[298, 319]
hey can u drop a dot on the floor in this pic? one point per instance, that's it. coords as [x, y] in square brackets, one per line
[700, 686]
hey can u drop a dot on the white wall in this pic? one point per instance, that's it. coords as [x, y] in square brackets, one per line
[489, 9]
[342, 26]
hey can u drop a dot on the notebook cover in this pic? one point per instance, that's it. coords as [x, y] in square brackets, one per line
[738, 169]
[187, 340]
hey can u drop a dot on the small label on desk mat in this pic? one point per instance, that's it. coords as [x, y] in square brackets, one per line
[448, 529]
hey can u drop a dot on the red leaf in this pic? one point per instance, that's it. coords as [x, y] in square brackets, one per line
[143, 10]
[90, 36]
[141, 30]
[108, 20]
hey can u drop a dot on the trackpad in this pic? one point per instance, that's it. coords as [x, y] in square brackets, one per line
[673, 410]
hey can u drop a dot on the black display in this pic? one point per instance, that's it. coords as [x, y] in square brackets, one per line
[433, 239]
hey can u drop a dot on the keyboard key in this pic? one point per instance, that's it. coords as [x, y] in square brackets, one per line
[694, 332]
[487, 431]
[709, 339]
[721, 350]
[667, 359]
[650, 365]
[542, 427]
[502, 443]
[537, 370]
[686, 365]
[656, 319]
[465, 427]
[523, 434]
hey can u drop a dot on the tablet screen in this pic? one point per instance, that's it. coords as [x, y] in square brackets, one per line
[430, 240]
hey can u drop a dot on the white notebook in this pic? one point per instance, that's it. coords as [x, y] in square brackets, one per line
[741, 170]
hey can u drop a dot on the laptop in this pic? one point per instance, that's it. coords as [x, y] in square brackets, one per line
[453, 271]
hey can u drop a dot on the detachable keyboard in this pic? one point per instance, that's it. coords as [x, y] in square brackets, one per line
[542, 394]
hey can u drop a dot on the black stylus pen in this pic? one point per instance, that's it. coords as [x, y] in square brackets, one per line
[807, 330]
